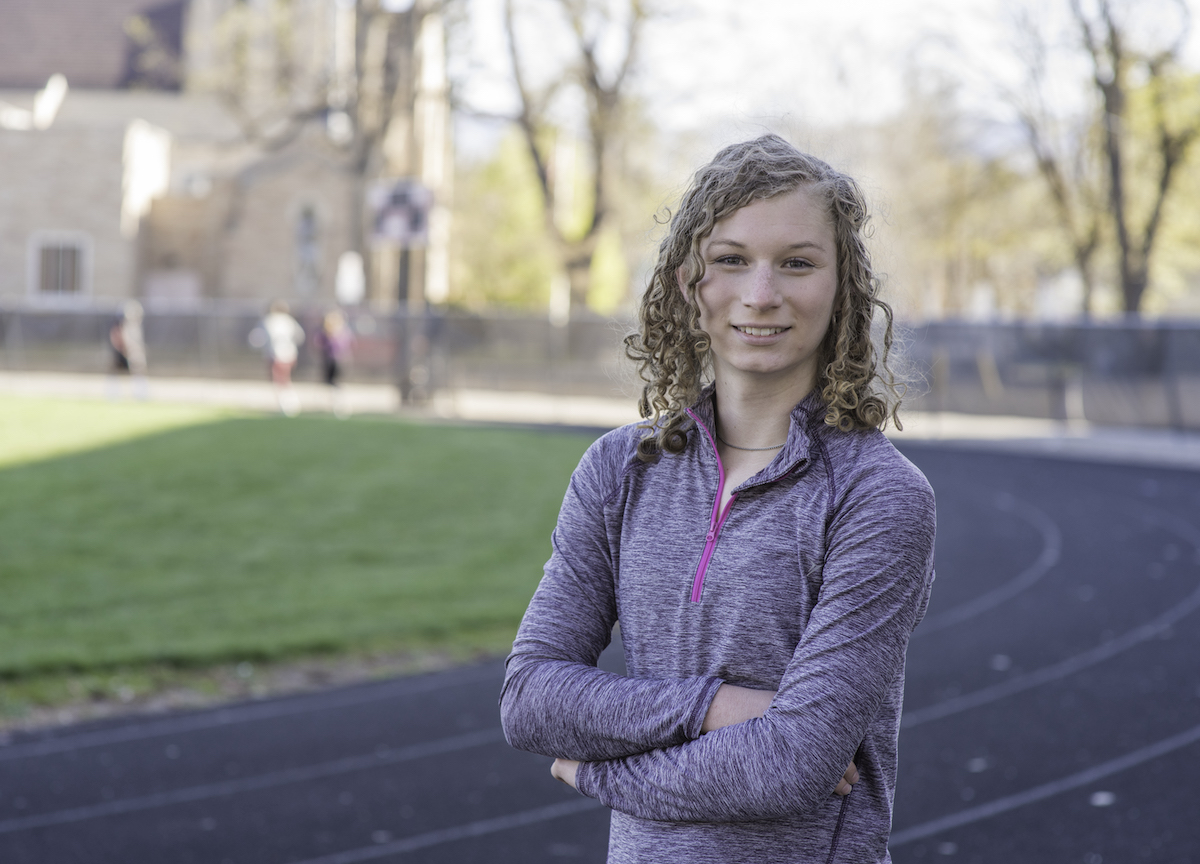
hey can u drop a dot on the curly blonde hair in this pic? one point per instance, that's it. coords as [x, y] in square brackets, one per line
[674, 354]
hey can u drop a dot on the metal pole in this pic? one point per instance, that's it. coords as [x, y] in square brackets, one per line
[403, 360]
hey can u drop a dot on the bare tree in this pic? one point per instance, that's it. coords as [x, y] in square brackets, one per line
[1063, 149]
[1108, 43]
[280, 68]
[603, 91]
[1100, 166]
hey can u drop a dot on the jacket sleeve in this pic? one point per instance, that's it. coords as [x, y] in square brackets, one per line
[554, 700]
[877, 573]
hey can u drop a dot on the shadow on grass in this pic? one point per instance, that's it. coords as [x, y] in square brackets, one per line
[268, 538]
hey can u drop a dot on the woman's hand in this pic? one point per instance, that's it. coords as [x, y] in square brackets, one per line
[845, 785]
[564, 770]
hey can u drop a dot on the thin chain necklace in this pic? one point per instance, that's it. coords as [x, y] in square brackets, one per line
[748, 449]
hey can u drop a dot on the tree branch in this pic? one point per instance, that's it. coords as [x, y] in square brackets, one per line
[528, 119]
[1172, 148]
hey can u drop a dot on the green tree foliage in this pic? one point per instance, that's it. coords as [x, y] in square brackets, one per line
[607, 291]
[1109, 40]
[1171, 256]
[1088, 208]
[1111, 170]
[596, 30]
[966, 231]
[500, 253]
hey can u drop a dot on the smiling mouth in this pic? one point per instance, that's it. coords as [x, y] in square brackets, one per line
[759, 331]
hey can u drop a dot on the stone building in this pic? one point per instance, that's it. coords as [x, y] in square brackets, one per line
[201, 150]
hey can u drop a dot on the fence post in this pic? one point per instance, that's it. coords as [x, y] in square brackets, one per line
[1170, 381]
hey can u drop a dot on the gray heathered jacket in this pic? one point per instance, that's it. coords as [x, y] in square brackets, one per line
[809, 584]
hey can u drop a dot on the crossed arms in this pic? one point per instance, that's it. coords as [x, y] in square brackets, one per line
[697, 749]
[731, 705]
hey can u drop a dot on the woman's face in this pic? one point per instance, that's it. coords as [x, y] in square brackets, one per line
[767, 295]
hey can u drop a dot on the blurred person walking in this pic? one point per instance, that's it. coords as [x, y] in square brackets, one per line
[766, 550]
[129, 350]
[281, 338]
[334, 340]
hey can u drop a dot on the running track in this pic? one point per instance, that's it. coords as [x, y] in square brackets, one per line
[1052, 715]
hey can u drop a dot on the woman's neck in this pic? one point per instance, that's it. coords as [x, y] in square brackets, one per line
[758, 416]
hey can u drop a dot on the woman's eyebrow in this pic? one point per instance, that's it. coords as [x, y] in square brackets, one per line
[803, 244]
[807, 244]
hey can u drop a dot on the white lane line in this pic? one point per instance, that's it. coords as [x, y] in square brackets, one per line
[1046, 790]
[286, 707]
[459, 832]
[1051, 551]
[1070, 665]
[249, 784]
[1055, 671]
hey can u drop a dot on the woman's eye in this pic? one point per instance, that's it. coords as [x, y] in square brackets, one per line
[729, 259]
[798, 263]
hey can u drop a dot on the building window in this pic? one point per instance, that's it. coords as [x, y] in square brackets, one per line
[59, 265]
[60, 269]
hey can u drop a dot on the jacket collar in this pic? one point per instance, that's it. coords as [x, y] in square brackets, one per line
[796, 451]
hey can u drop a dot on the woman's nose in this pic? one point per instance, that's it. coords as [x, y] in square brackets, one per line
[762, 292]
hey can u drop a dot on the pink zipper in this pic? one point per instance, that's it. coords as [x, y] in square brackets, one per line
[715, 521]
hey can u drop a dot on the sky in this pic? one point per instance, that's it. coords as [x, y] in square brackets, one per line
[729, 68]
[716, 63]
[821, 62]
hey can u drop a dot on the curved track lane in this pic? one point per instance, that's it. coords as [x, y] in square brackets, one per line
[1061, 724]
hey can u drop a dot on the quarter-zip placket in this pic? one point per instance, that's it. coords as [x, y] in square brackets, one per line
[715, 521]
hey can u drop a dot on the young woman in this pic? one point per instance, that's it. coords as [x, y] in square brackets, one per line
[765, 548]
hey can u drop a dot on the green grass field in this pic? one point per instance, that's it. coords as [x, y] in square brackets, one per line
[148, 537]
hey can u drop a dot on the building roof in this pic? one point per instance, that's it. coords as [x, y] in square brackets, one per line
[96, 44]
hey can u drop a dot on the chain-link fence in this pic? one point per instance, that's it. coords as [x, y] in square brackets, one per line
[1131, 373]
[424, 352]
